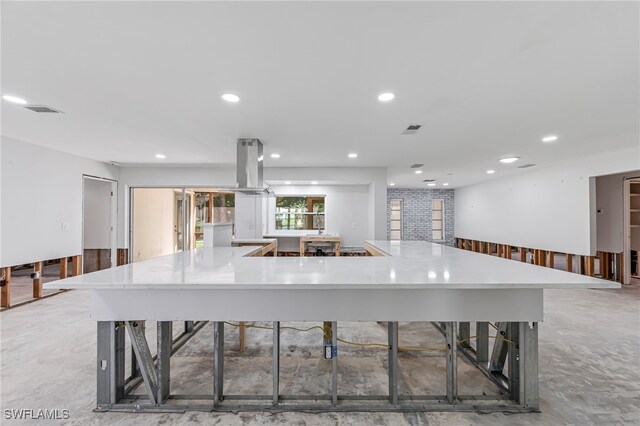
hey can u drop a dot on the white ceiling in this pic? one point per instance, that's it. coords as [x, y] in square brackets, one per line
[486, 80]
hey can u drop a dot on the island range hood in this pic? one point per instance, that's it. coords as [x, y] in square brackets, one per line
[249, 165]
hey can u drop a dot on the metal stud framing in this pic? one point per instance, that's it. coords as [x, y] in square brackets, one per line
[522, 351]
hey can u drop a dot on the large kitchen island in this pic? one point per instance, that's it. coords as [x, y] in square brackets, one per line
[400, 281]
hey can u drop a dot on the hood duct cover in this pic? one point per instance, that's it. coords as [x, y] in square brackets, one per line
[249, 164]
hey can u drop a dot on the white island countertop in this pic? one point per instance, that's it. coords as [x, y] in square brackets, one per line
[410, 265]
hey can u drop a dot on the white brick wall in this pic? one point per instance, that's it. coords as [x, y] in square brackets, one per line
[416, 214]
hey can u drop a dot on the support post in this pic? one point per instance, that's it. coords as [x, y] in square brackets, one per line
[76, 263]
[590, 266]
[241, 336]
[110, 363]
[393, 362]
[188, 326]
[513, 334]
[276, 363]
[482, 343]
[569, 260]
[218, 375]
[144, 358]
[529, 378]
[452, 365]
[464, 333]
[165, 339]
[37, 281]
[500, 349]
[64, 267]
[334, 364]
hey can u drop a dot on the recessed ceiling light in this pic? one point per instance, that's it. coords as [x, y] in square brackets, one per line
[509, 160]
[230, 97]
[314, 182]
[14, 99]
[392, 184]
[418, 172]
[353, 155]
[274, 155]
[445, 184]
[386, 97]
[549, 139]
[161, 156]
[431, 184]
[287, 182]
[490, 172]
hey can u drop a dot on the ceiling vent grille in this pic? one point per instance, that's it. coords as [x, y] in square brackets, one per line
[43, 108]
[429, 180]
[412, 129]
[526, 166]
[416, 166]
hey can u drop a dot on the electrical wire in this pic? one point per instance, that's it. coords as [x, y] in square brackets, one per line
[380, 345]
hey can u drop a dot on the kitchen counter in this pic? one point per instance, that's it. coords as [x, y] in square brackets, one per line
[410, 264]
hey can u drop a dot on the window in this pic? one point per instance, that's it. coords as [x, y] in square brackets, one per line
[437, 220]
[395, 220]
[300, 212]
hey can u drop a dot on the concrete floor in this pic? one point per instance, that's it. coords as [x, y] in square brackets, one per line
[589, 366]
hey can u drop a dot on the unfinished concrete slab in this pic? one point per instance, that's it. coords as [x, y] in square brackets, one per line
[589, 373]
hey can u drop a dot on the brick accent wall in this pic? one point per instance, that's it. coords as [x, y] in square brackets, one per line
[416, 212]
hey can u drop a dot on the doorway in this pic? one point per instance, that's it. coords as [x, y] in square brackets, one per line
[166, 220]
[99, 215]
[632, 231]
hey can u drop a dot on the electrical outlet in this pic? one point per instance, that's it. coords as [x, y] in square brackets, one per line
[65, 226]
[328, 352]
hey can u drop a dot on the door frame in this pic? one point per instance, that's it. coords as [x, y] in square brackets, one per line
[114, 217]
[626, 241]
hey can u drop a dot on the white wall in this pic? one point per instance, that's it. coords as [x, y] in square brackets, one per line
[154, 221]
[610, 208]
[97, 214]
[345, 206]
[550, 208]
[40, 189]
[374, 178]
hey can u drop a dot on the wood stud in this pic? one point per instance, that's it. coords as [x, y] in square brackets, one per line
[590, 266]
[64, 267]
[37, 281]
[540, 257]
[76, 262]
[5, 296]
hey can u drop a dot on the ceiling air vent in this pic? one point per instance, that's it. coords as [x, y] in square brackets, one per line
[429, 180]
[412, 129]
[526, 166]
[43, 108]
[416, 166]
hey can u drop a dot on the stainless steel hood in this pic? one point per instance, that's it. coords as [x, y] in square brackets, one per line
[249, 164]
